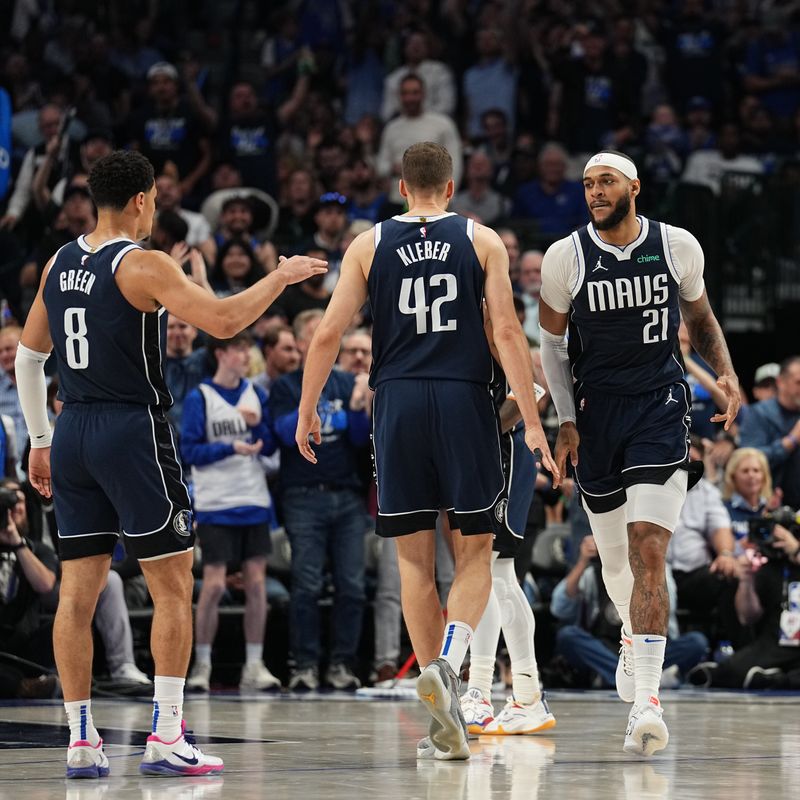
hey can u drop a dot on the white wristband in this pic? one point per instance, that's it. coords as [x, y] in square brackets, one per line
[32, 390]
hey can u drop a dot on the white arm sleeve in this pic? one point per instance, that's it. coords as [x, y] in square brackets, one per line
[687, 256]
[32, 390]
[555, 362]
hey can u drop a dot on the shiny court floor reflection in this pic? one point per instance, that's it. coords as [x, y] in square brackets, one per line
[721, 747]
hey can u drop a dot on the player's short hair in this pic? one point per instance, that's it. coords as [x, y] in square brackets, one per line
[117, 177]
[427, 165]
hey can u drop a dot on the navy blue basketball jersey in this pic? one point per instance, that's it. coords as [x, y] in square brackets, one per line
[623, 328]
[107, 350]
[426, 291]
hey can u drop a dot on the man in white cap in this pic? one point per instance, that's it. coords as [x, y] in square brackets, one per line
[622, 284]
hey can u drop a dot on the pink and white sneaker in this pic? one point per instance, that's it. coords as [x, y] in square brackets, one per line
[180, 757]
[86, 761]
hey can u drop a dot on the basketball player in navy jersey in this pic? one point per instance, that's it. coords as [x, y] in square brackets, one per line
[436, 436]
[621, 285]
[101, 306]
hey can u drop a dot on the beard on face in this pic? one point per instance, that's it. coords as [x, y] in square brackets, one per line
[618, 213]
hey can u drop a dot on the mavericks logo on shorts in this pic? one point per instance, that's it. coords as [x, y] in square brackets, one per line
[182, 523]
[500, 509]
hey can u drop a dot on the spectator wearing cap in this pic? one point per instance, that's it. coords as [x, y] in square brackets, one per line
[491, 83]
[440, 94]
[248, 133]
[324, 518]
[310, 294]
[699, 132]
[707, 167]
[413, 125]
[168, 129]
[765, 384]
[169, 197]
[773, 427]
[330, 219]
[296, 218]
[477, 199]
[236, 222]
[555, 203]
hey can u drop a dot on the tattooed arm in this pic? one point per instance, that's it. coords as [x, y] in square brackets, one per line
[708, 340]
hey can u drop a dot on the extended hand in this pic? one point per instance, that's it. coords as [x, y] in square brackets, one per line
[298, 268]
[536, 440]
[308, 426]
[730, 386]
[567, 445]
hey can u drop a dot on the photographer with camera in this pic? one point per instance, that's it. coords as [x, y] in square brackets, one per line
[27, 574]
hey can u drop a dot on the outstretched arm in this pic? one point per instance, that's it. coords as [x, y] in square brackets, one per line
[708, 340]
[348, 297]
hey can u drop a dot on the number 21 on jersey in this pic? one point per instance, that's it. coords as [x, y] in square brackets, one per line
[420, 307]
[77, 345]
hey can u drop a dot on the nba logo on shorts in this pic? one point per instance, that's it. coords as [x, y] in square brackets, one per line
[183, 523]
[500, 509]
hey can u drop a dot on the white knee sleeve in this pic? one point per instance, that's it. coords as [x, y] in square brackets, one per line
[661, 505]
[516, 614]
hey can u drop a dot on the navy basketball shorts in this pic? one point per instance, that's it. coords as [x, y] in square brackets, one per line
[629, 439]
[436, 445]
[116, 472]
[512, 515]
[233, 544]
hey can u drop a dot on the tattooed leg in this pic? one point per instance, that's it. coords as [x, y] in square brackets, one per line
[650, 600]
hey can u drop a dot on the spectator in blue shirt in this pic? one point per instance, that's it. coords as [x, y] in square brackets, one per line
[225, 429]
[323, 513]
[772, 67]
[773, 427]
[556, 204]
[184, 367]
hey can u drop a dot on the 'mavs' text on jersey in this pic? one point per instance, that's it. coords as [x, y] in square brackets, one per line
[77, 280]
[641, 290]
[422, 251]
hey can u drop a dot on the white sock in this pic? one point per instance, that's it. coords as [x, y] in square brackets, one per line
[168, 708]
[483, 648]
[648, 661]
[202, 654]
[254, 651]
[81, 725]
[519, 628]
[457, 636]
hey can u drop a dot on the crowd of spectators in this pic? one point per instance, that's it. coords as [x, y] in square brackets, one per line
[278, 129]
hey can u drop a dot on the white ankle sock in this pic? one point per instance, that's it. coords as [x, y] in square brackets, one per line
[483, 648]
[648, 661]
[481, 672]
[168, 707]
[457, 636]
[254, 651]
[81, 725]
[202, 654]
[525, 680]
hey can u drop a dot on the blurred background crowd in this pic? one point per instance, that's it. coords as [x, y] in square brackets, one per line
[278, 128]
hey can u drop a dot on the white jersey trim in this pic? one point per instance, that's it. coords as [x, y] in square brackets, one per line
[471, 229]
[83, 535]
[581, 276]
[119, 256]
[84, 245]
[418, 219]
[622, 253]
[144, 358]
[378, 234]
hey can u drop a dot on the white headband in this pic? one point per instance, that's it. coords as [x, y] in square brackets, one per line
[624, 165]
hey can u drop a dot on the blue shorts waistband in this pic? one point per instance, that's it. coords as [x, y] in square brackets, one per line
[99, 408]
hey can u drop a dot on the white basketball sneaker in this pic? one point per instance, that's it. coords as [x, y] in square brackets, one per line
[86, 761]
[520, 720]
[626, 688]
[200, 678]
[437, 687]
[647, 733]
[256, 677]
[178, 758]
[478, 711]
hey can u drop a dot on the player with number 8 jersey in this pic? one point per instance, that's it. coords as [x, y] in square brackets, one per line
[101, 306]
